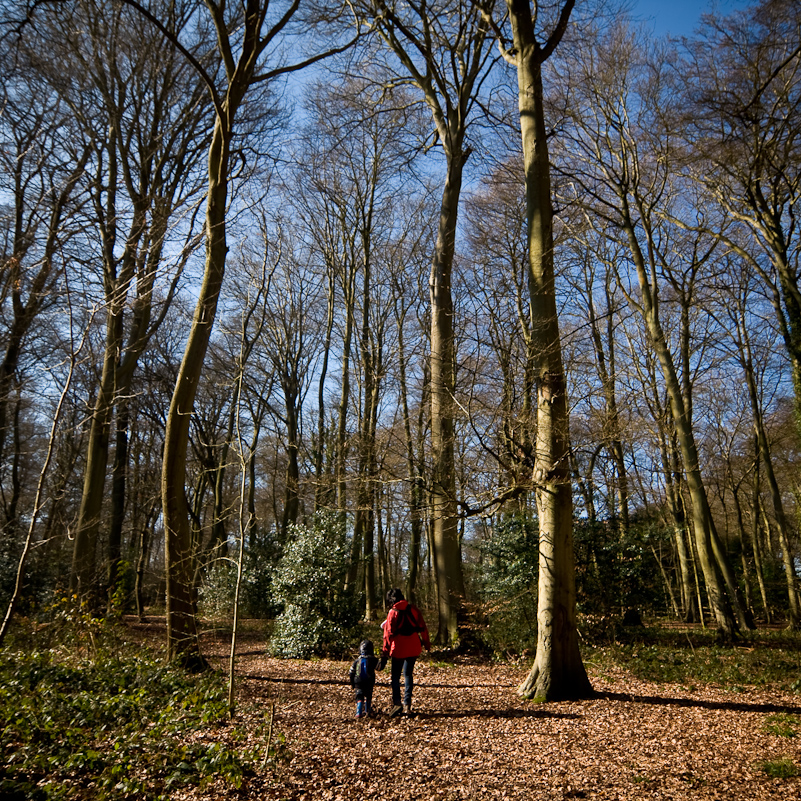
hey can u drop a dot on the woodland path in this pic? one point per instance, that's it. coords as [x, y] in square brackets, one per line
[473, 738]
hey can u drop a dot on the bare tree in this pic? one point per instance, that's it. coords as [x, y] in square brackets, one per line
[558, 671]
[139, 117]
[76, 346]
[743, 119]
[620, 161]
[443, 50]
[738, 321]
[250, 42]
[42, 164]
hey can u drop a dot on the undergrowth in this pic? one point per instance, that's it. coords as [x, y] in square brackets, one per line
[112, 727]
[783, 768]
[690, 657]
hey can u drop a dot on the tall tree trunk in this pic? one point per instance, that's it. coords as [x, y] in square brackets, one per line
[558, 672]
[119, 475]
[83, 580]
[612, 429]
[416, 489]
[182, 637]
[444, 521]
[322, 490]
[755, 544]
[292, 488]
[749, 599]
[342, 416]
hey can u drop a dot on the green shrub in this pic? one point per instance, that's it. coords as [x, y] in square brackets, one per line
[217, 591]
[218, 588]
[505, 579]
[615, 573]
[317, 616]
[121, 725]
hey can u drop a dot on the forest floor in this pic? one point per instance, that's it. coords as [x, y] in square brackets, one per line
[472, 737]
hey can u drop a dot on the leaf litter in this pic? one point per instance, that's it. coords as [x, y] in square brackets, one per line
[472, 737]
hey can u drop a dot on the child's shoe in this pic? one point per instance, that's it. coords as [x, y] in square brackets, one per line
[360, 709]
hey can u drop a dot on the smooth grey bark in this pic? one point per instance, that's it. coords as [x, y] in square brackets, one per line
[558, 672]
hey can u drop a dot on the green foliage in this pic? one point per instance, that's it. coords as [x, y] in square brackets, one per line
[694, 657]
[613, 573]
[218, 588]
[506, 583]
[67, 622]
[122, 725]
[782, 725]
[616, 572]
[262, 554]
[217, 591]
[317, 616]
[780, 768]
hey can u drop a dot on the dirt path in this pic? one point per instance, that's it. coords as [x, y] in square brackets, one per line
[473, 738]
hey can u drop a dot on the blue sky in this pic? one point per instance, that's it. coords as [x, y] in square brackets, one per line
[679, 17]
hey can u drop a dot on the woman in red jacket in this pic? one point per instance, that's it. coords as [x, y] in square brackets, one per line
[405, 634]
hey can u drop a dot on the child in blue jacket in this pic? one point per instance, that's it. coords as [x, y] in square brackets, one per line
[362, 677]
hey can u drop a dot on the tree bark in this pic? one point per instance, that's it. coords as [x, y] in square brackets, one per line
[182, 637]
[558, 672]
[444, 521]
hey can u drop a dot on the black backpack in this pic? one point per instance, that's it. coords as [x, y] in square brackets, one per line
[408, 624]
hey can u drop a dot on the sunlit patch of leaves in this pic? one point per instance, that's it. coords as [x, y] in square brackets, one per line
[694, 658]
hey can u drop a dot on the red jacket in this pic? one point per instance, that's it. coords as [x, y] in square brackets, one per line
[404, 645]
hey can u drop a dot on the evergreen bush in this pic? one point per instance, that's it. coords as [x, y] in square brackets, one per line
[111, 726]
[317, 615]
[506, 583]
[218, 588]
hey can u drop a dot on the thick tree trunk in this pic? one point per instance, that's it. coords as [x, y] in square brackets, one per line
[83, 580]
[558, 672]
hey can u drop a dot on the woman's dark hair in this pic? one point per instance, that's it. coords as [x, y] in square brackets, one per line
[393, 596]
